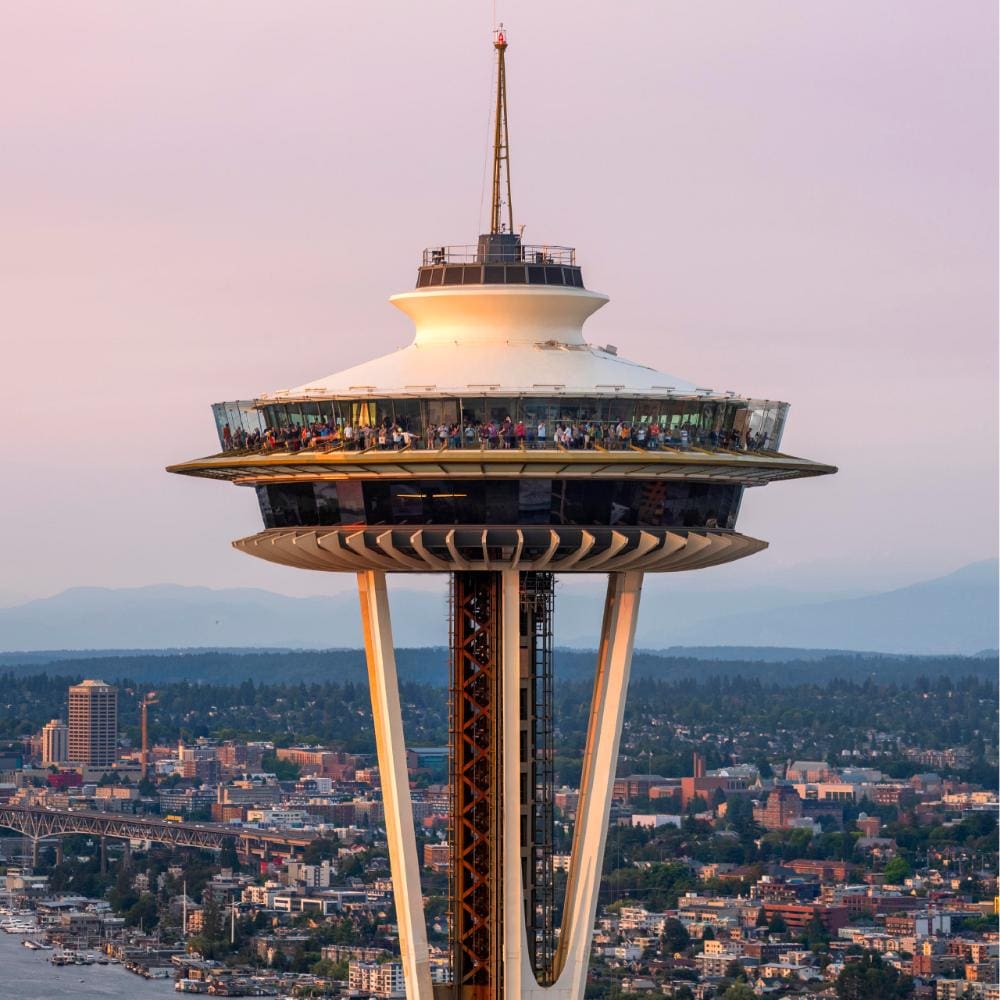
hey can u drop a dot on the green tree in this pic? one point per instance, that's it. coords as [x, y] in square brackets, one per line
[870, 978]
[283, 770]
[675, 936]
[735, 971]
[739, 991]
[897, 870]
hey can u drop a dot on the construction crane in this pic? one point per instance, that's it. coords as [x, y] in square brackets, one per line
[147, 699]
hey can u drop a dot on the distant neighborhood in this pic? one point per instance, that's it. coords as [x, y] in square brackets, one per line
[763, 875]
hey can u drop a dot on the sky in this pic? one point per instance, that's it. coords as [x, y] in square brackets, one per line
[205, 201]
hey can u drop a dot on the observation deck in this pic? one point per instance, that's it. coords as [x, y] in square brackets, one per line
[500, 437]
[499, 259]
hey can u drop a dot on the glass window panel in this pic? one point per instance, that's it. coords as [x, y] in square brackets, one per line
[501, 502]
[516, 274]
[266, 511]
[327, 504]
[352, 503]
[292, 504]
[378, 505]
[534, 501]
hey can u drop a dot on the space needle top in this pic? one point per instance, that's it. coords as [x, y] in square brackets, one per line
[499, 362]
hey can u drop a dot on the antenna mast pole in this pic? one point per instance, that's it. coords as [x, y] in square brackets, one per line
[501, 158]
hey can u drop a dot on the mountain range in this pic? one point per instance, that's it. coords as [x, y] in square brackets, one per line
[953, 614]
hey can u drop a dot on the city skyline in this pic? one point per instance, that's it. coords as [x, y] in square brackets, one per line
[843, 224]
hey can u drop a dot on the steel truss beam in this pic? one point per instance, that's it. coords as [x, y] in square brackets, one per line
[40, 823]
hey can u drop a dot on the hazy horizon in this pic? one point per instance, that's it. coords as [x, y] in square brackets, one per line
[205, 202]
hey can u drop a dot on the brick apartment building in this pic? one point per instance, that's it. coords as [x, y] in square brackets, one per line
[782, 806]
[327, 763]
[798, 916]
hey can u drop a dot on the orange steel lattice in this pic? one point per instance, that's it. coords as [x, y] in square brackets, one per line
[476, 825]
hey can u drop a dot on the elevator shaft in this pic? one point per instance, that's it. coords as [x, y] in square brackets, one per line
[477, 888]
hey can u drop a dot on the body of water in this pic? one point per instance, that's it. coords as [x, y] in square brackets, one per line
[29, 975]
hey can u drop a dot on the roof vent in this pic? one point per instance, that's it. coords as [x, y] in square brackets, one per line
[610, 349]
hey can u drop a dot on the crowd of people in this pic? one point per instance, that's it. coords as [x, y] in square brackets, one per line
[492, 434]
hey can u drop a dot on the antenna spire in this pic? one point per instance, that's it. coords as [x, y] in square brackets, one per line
[501, 157]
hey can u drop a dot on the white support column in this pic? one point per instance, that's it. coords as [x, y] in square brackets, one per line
[596, 785]
[396, 800]
[518, 977]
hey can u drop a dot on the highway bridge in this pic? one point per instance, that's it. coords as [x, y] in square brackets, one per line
[38, 824]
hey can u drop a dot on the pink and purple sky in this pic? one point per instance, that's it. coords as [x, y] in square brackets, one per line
[203, 201]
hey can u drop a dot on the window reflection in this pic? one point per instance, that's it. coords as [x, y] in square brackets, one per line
[639, 503]
[491, 421]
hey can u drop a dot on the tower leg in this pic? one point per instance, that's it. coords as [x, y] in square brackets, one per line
[596, 785]
[396, 800]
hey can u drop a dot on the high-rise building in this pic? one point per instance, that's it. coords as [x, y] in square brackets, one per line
[55, 743]
[93, 723]
[501, 448]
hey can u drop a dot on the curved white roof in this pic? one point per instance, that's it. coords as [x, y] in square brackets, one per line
[499, 340]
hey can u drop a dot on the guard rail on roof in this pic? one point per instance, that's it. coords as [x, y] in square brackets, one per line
[512, 253]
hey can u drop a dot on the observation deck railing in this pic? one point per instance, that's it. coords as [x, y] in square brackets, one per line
[367, 444]
[514, 253]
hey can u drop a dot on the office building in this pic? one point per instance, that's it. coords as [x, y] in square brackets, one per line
[93, 724]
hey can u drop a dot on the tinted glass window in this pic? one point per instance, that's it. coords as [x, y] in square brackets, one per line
[494, 274]
[568, 502]
[534, 501]
[536, 275]
[352, 503]
[327, 503]
[378, 508]
[515, 274]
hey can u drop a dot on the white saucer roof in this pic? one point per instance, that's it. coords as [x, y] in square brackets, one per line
[496, 340]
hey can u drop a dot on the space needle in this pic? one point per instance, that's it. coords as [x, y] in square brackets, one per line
[501, 448]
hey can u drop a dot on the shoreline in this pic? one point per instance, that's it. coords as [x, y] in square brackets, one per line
[29, 975]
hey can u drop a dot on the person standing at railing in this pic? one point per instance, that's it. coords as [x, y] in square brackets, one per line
[507, 432]
[519, 433]
[541, 435]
